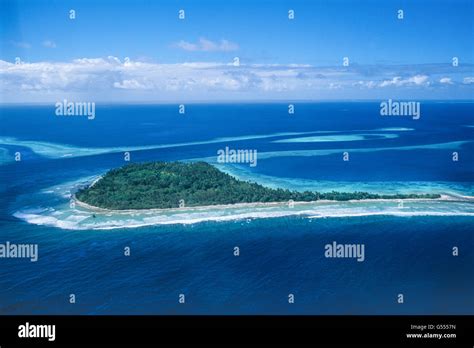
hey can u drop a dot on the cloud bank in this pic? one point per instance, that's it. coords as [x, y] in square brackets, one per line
[114, 79]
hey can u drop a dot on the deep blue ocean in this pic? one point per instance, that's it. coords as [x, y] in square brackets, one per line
[407, 251]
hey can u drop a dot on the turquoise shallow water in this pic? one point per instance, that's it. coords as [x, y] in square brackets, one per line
[408, 248]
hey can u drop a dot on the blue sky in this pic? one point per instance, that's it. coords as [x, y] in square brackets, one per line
[279, 58]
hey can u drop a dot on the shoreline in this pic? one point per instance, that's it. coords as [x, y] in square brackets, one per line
[444, 197]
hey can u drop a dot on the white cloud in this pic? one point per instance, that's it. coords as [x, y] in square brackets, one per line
[49, 44]
[366, 84]
[417, 80]
[206, 45]
[468, 80]
[119, 80]
[131, 84]
[105, 73]
[446, 80]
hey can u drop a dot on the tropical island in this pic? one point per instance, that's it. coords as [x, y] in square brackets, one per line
[165, 185]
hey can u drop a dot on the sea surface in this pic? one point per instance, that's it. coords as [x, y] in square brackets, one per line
[408, 245]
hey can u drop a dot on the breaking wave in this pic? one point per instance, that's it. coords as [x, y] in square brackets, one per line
[61, 215]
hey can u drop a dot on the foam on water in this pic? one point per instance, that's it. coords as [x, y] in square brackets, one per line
[337, 138]
[80, 219]
[395, 129]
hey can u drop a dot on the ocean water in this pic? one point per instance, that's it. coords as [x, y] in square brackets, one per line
[408, 247]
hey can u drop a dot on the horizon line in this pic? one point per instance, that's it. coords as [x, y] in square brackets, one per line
[246, 101]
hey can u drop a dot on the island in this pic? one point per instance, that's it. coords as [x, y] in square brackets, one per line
[165, 185]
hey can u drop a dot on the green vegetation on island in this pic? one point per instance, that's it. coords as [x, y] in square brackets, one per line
[163, 185]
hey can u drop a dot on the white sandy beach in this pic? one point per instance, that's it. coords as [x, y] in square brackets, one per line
[444, 197]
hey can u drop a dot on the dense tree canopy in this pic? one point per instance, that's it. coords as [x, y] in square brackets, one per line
[165, 184]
